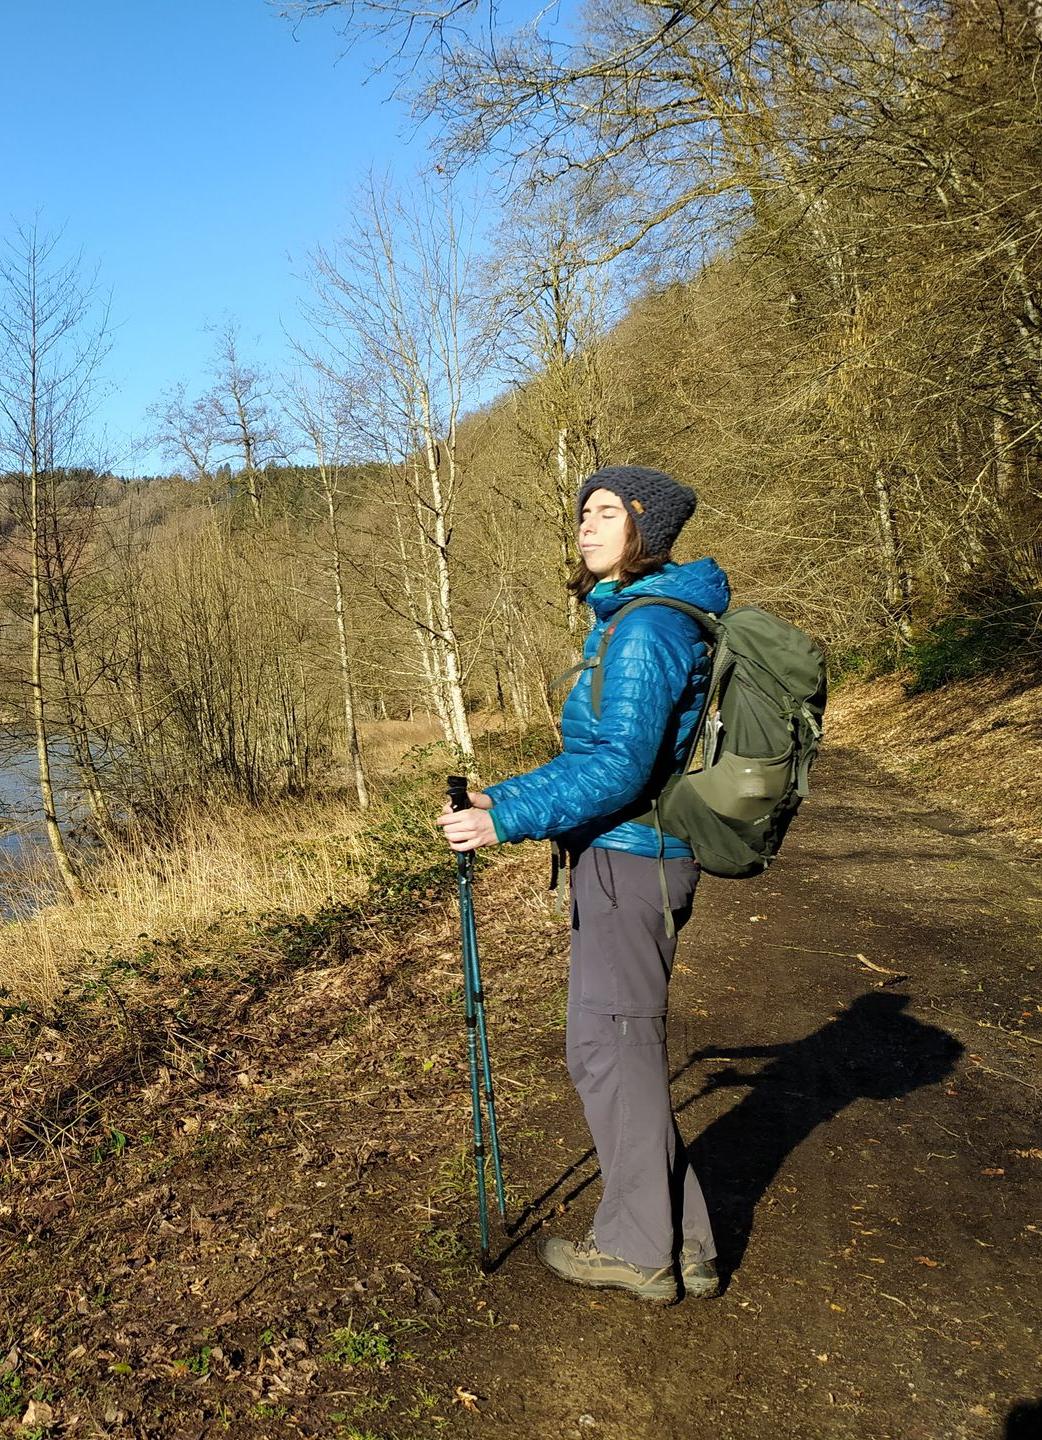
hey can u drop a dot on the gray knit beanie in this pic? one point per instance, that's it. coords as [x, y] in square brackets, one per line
[658, 505]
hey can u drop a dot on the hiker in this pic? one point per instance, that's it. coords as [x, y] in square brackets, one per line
[655, 675]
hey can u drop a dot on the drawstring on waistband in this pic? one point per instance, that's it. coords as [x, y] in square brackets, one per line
[611, 875]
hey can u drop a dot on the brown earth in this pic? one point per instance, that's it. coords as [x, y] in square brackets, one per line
[246, 1209]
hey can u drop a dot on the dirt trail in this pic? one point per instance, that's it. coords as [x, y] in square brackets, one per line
[856, 1044]
[868, 1145]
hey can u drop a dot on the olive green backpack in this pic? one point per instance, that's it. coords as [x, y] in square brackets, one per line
[759, 740]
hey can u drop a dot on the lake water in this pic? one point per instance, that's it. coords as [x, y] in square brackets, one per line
[23, 838]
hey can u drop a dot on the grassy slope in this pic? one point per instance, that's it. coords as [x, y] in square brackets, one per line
[201, 1176]
[976, 744]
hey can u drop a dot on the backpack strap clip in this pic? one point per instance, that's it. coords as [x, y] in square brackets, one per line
[811, 719]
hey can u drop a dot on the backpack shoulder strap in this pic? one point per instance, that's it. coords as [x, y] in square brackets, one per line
[574, 670]
[705, 618]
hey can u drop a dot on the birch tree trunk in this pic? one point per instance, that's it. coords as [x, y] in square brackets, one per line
[422, 631]
[320, 412]
[441, 591]
[58, 579]
[51, 343]
[344, 654]
[566, 514]
[898, 579]
[66, 869]
[395, 306]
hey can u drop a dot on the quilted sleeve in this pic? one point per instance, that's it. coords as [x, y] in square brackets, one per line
[646, 667]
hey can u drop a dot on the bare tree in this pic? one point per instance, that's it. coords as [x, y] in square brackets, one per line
[239, 404]
[231, 420]
[551, 315]
[186, 430]
[53, 338]
[319, 410]
[392, 302]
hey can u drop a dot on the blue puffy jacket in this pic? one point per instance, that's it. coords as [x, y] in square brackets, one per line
[656, 668]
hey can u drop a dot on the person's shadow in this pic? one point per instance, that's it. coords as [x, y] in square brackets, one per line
[871, 1050]
[1024, 1421]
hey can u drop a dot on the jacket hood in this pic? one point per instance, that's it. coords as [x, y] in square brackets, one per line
[701, 583]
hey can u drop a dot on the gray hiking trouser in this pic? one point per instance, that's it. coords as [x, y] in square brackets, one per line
[616, 1049]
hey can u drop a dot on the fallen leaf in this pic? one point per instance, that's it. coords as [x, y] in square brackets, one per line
[823, 1359]
[925, 1260]
[466, 1398]
[834, 1306]
[37, 1413]
[993, 1170]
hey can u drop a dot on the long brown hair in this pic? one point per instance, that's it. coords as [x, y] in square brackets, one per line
[634, 563]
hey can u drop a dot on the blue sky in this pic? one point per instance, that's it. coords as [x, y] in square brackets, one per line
[195, 150]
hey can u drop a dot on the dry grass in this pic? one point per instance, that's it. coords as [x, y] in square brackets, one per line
[227, 861]
[975, 745]
[385, 743]
[290, 856]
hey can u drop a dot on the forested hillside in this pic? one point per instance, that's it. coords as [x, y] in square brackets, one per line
[797, 265]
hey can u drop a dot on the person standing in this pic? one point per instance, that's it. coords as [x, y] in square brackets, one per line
[655, 675]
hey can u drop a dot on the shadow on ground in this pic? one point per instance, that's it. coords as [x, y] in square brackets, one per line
[1024, 1421]
[871, 1050]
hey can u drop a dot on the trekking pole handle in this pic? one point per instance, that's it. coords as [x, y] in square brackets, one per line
[458, 796]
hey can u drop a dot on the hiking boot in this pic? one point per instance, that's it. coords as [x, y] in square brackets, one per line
[583, 1263]
[700, 1277]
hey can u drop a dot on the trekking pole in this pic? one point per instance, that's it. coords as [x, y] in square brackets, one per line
[477, 1033]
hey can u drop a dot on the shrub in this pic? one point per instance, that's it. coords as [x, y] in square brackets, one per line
[962, 646]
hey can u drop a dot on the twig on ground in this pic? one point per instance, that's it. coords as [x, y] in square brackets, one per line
[895, 975]
[1015, 1034]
